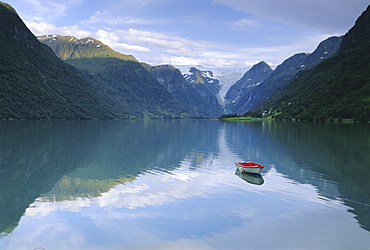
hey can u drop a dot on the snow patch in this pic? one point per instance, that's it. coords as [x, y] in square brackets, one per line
[208, 74]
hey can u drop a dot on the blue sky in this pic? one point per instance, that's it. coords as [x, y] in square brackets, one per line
[211, 33]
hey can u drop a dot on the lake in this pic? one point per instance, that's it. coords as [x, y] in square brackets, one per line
[172, 184]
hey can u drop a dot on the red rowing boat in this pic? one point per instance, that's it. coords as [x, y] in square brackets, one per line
[249, 167]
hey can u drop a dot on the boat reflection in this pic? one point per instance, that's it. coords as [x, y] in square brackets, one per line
[255, 179]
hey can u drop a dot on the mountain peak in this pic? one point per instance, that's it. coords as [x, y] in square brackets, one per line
[359, 34]
[70, 47]
[261, 67]
[240, 92]
[8, 6]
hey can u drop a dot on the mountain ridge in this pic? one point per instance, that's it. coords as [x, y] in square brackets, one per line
[89, 80]
[70, 47]
[283, 74]
[339, 86]
[100, 61]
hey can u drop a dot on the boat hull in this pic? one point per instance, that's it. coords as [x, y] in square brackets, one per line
[249, 167]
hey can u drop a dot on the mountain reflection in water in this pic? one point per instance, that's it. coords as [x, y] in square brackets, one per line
[110, 182]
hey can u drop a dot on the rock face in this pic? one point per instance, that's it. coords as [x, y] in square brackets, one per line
[173, 80]
[240, 93]
[207, 86]
[283, 74]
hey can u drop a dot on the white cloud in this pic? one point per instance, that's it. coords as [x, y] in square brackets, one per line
[245, 22]
[43, 28]
[236, 42]
[119, 43]
[156, 48]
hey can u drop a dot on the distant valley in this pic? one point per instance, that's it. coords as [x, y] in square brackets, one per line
[73, 78]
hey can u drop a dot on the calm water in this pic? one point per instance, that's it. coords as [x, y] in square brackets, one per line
[171, 184]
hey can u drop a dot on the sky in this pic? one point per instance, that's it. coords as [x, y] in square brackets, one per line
[211, 33]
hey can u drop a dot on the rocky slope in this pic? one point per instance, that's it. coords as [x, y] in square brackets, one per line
[173, 80]
[241, 92]
[207, 86]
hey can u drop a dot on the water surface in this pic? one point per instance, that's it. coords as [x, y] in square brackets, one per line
[172, 184]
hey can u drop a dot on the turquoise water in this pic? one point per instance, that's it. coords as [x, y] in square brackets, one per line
[172, 184]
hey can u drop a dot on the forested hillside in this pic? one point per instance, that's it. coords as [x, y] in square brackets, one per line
[129, 86]
[36, 84]
[337, 88]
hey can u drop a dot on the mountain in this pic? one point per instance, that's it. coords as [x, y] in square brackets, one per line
[239, 94]
[226, 76]
[35, 84]
[173, 80]
[69, 47]
[120, 78]
[132, 88]
[207, 86]
[283, 74]
[338, 87]
[96, 83]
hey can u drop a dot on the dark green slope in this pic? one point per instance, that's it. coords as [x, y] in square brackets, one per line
[130, 86]
[338, 87]
[359, 34]
[35, 84]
